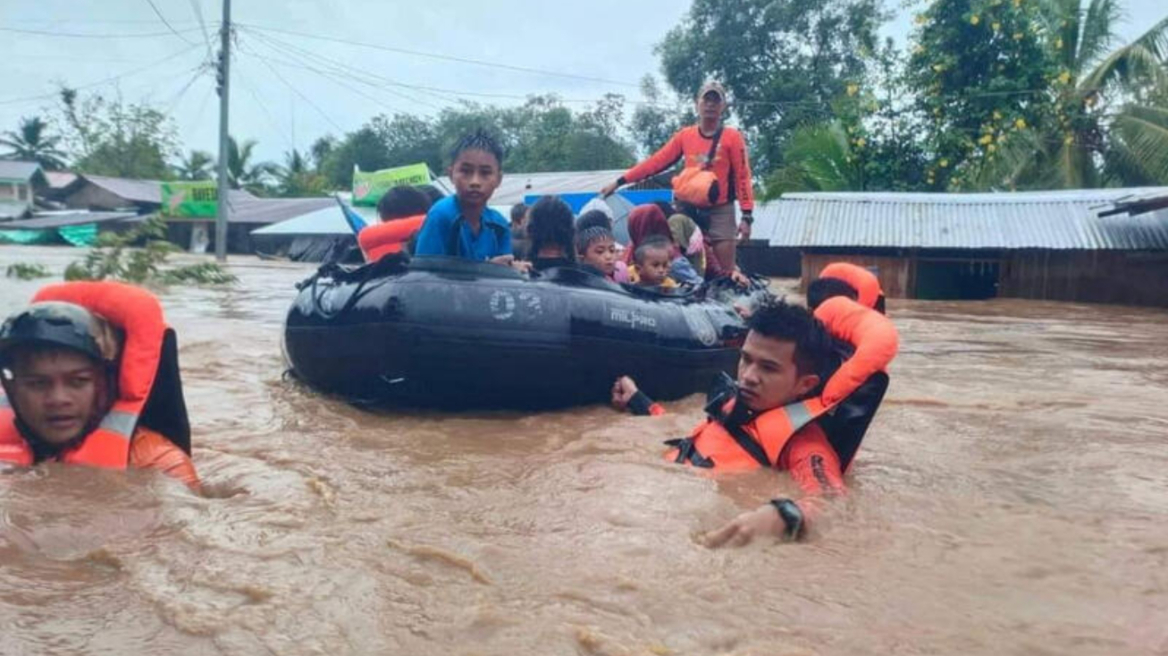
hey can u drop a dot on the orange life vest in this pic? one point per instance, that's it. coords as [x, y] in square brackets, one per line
[138, 313]
[760, 441]
[866, 284]
[379, 240]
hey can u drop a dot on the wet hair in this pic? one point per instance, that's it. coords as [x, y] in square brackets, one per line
[591, 235]
[593, 219]
[824, 288]
[434, 193]
[401, 202]
[777, 319]
[479, 139]
[654, 243]
[551, 224]
[518, 212]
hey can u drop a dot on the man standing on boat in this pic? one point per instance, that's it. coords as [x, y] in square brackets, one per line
[707, 148]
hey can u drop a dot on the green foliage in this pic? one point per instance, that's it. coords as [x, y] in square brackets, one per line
[242, 173]
[197, 165]
[784, 62]
[30, 143]
[540, 135]
[109, 137]
[23, 271]
[296, 179]
[980, 70]
[139, 256]
[656, 120]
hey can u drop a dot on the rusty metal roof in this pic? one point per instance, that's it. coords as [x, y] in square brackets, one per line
[1055, 220]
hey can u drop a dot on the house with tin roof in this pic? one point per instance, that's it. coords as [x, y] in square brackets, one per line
[1079, 245]
[20, 183]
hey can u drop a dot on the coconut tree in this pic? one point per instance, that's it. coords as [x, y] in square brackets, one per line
[195, 166]
[296, 178]
[1095, 82]
[31, 143]
[241, 172]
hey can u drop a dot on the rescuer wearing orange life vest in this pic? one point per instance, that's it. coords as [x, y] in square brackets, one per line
[90, 377]
[792, 408]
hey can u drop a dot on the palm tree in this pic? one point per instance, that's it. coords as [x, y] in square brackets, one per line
[30, 143]
[241, 174]
[1100, 109]
[818, 157]
[196, 166]
[295, 178]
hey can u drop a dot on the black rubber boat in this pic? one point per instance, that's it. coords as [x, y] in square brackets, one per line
[453, 333]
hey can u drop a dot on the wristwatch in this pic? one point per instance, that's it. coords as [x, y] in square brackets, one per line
[748, 218]
[792, 518]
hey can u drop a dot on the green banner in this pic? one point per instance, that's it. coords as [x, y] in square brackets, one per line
[190, 199]
[369, 187]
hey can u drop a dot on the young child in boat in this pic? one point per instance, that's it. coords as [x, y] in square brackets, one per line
[596, 249]
[651, 264]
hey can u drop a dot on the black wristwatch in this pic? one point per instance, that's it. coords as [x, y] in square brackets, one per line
[792, 518]
[748, 218]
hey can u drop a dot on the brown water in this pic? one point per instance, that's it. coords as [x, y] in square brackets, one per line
[1011, 498]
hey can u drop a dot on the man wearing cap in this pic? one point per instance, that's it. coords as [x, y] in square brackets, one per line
[730, 164]
[90, 377]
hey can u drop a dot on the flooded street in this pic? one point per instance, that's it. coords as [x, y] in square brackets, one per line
[1011, 498]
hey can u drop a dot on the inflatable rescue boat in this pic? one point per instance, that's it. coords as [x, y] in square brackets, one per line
[453, 333]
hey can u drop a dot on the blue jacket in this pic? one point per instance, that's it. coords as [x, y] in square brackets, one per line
[437, 236]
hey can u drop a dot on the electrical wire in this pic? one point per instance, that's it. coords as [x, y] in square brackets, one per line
[450, 58]
[113, 78]
[93, 35]
[168, 25]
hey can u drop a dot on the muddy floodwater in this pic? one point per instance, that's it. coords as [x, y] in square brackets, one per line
[1010, 498]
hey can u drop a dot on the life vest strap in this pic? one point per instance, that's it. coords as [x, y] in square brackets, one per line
[688, 452]
[749, 444]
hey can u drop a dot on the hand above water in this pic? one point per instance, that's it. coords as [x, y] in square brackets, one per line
[623, 390]
[608, 189]
[742, 529]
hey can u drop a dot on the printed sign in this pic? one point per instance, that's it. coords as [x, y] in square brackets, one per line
[369, 187]
[190, 199]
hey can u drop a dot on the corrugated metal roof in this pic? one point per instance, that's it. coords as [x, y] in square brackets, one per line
[515, 186]
[324, 221]
[135, 191]
[17, 170]
[250, 209]
[1057, 220]
[60, 220]
[60, 179]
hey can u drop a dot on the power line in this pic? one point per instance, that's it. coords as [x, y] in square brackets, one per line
[297, 92]
[263, 107]
[198, 9]
[168, 25]
[95, 35]
[338, 69]
[113, 78]
[450, 58]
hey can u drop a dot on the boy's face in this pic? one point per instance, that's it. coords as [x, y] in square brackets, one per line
[653, 267]
[56, 393]
[602, 255]
[476, 175]
[767, 376]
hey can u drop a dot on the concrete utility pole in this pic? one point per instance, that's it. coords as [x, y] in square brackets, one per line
[224, 86]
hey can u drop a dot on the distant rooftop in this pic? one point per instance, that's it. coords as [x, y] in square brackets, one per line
[1057, 220]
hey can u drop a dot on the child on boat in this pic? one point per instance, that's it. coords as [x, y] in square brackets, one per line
[402, 211]
[651, 264]
[551, 233]
[596, 249]
[463, 225]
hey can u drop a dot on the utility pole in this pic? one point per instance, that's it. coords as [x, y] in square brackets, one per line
[224, 86]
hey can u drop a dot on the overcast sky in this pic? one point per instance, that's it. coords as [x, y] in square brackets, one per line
[277, 97]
